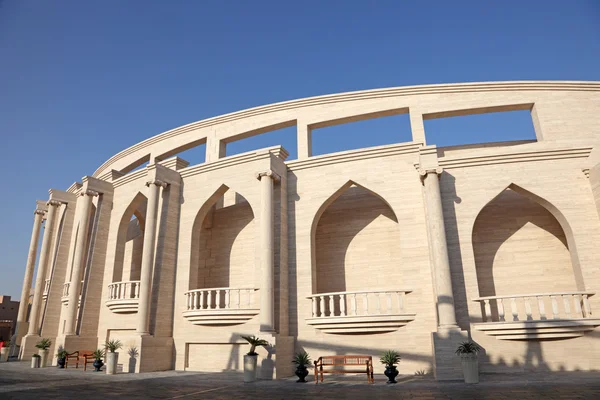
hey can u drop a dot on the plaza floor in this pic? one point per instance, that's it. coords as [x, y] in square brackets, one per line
[18, 381]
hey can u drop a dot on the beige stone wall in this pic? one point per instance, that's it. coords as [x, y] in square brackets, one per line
[357, 244]
[520, 248]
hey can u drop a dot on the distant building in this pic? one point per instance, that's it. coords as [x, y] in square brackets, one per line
[8, 317]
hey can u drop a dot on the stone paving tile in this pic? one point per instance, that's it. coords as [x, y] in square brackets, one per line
[17, 381]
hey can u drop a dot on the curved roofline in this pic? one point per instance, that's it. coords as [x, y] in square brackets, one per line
[430, 89]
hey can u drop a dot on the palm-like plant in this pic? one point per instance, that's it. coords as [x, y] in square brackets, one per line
[44, 344]
[390, 358]
[98, 354]
[468, 347]
[254, 342]
[113, 345]
[61, 352]
[301, 359]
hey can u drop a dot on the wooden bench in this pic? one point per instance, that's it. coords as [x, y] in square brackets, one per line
[80, 355]
[342, 361]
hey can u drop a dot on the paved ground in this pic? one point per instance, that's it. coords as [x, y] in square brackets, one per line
[18, 381]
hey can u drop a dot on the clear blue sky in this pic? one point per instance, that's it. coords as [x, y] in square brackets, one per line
[82, 80]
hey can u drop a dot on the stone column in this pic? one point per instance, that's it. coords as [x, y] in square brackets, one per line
[42, 268]
[266, 243]
[31, 257]
[439, 248]
[78, 262]
[148, 256]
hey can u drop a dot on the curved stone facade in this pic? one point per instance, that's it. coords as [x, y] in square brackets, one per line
[404, 246]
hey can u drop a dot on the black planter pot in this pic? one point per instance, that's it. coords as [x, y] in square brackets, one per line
[61, 362]
[301, 373]
[391, 372]
[98, 364]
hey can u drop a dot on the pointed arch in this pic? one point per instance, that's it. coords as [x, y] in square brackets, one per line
[350, 225]
[518, 228]
[131, 229]
[220, 233]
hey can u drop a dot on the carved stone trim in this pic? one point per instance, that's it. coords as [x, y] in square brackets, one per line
[586, 171]
[270, 174]
[157, 182]
[89, 192]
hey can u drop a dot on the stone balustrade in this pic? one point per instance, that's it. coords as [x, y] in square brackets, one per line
[360, 311]
[220, 306]
[66, 291]
[123, 297]
[537, 315]
[46, 289]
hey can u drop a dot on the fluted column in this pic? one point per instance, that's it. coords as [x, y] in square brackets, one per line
[148, 256]
[78, 262]
[439, 248]
[27, 280]
[266, 243]
[42, 268]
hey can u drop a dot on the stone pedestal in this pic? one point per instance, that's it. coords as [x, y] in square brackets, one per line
[446, 364]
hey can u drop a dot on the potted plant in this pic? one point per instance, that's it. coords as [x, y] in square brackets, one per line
[390, 358]
[252, 356]
[35, 361]
[468, 356]
[98, 355]
[133, 353]
[111, 356]
[61, 356]
[5, 350]
[43, 346]
[301, 360]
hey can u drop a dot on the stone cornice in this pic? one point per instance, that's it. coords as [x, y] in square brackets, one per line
[139, 174]
[74, 188]
[517, 157]
[354, 155]
[226, 162]
[355, 96]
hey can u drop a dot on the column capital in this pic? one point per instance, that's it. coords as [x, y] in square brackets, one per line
[270, 174]
[55, 203]
[157, 182]
[423, 172]
[91, 193]
[39, 211]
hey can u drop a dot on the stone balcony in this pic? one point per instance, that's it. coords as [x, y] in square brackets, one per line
[65, 296]
[46, 289]
[220, 306]
[123, 297]
[371, 311]
[537, 316]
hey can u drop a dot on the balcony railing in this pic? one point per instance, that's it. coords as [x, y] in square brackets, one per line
[66, 288]
[123, 297]
[220, 306]
[46, 289]
[537, 315]
[359, 312]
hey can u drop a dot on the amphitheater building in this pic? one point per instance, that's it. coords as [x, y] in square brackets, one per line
[407, 246]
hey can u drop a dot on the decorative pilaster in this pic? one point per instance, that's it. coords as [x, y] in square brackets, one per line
[148, 255]
[266, 243]
[42, 269]
[78, 261]
[438, 247]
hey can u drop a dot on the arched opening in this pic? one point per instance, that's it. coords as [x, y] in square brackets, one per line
[520, 247]
[130, 241]
[223, 252]
[355, 243]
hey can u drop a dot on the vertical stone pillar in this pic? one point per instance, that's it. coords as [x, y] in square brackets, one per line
[42, 269]
[439, 248]
[148, 256]
[78, 262]
[266, 243]
[304, 140]
[27, 280]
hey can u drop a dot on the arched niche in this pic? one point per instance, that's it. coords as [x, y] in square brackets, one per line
[130, 241]
[523, 244]
[222, 245]
[355, 242]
